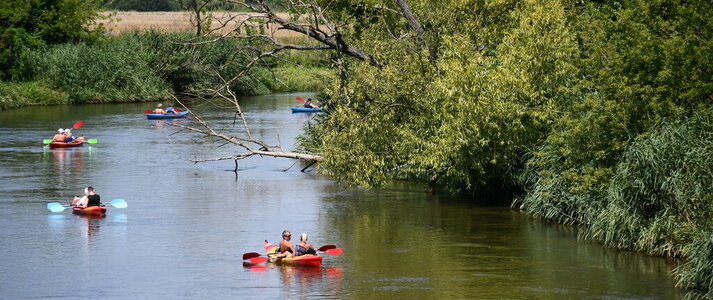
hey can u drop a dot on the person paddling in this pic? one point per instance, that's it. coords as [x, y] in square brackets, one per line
[59, 137]
[303, 247]
[286, 248]
[170, 109]
[68, 138]
[159, 110]
[90, 198]
[308, 104]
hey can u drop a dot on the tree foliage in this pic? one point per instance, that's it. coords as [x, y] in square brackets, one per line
[464, 119]
[29, 24]
[583, 104]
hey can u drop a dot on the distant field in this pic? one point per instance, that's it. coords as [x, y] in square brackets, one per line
[174, 21]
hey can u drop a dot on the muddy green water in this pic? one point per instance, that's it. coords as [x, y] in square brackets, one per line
[188, 224]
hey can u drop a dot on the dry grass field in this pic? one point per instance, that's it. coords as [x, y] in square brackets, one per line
[122, 21]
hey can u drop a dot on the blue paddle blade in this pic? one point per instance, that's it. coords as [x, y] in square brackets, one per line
[55, 207]
[119, 203]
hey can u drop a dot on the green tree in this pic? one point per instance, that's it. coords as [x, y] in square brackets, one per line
[28, 24]
[459, 118]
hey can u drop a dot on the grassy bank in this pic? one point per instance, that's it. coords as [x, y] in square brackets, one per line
[18, 94]
[148, 66]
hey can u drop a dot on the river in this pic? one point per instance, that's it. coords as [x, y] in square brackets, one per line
[187, 225]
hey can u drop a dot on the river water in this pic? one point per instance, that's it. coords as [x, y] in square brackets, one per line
[187, 225]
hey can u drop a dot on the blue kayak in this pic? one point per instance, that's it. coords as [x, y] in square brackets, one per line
[305, 109]
[167, 116]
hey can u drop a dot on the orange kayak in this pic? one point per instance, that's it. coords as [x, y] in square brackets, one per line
[307, 260]
[75, 143]
[92, 210]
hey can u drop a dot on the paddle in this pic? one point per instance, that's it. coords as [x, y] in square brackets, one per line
[300, 99]
[336, 251]
[147, 111]
[75, 126]
[91, 141]
[326, 247]
[257, 258]
[250, 255]
[57, 207]
[254, 257]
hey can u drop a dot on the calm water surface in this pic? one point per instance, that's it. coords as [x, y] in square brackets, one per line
[187, 224]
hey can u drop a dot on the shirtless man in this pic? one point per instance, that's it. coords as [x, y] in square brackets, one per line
[159, 110]
[59, 137]
[286, 248]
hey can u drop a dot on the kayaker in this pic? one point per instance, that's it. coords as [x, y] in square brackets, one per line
[81, 201]
[303, 247]
[92, 199]
[159, 110]
[308, 104]
[68, 138]
[170, 110]
[286, 248]
[59, 137]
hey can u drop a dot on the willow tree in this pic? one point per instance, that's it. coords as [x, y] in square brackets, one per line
[461, 112]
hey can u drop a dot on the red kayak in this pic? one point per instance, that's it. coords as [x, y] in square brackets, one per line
[75, 143]
[89, 211]
[307, 260]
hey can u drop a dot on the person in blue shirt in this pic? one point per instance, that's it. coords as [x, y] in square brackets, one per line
[170, 110]
[303, 247]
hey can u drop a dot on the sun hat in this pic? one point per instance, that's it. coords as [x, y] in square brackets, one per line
[60, 130]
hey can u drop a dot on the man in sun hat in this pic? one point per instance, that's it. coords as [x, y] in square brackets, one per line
[59, 137]
[159, 109]
[68, 138]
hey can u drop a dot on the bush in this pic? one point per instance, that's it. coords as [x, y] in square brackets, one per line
[113, 71]
[17, 94]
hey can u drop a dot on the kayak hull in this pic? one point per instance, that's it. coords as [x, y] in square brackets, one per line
[182, 114]
[305, 109]
[307, 260]
[76, 143]
[89, 211]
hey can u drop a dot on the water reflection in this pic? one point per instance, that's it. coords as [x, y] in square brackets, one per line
[68, 158]
[161, 123]
[92, 225]
[302, 280]
[56, 223]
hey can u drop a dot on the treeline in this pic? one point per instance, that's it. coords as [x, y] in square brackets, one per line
[596, 113]
[145, 66]
[46, 59]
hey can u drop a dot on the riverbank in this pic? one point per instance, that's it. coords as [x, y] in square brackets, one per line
[149, 66]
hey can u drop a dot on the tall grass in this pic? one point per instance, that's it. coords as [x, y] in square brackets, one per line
[657, 199]
[150, 65]
[17, 94]
[112, 71]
